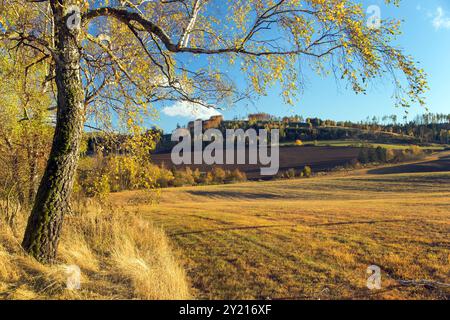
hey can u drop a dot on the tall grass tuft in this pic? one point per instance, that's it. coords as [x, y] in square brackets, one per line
[120, 255]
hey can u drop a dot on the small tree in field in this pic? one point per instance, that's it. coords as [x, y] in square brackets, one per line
[122, 57]
[306, 172]
[290, 174]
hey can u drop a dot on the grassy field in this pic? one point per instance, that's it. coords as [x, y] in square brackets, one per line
[359, 143]
[310, 238]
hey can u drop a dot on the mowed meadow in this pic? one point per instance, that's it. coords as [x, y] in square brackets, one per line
[309, 238]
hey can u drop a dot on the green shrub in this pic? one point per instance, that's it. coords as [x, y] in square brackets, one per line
[96, 185]
[207, 178]
[183, 178]
[390, 155]
[373, 156]
[165, 178]
[219, 175]
[290, 174]
[363, 156]
[381, 154]
[370, 155]
[411, 154]
[415, 150]
[197, 176]
[306, 172]
[236, 176]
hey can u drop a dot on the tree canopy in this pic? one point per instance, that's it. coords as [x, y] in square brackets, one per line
[135, 53]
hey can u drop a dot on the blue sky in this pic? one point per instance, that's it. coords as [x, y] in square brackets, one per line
[426, 36]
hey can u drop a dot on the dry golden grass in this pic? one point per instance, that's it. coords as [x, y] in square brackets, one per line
[120, 256]
[310, 238]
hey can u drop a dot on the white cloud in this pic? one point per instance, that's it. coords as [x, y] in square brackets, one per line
[190, 110]
[441, 20]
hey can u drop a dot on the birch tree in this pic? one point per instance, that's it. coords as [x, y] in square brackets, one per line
[117, 59]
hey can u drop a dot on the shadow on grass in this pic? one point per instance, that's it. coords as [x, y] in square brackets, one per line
[440, 165]
[286, 225]
[234, 194]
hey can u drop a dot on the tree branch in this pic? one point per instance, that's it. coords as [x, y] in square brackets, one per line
[184, 40]
[127, 17]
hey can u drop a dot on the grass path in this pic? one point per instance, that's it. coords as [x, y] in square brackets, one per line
[309, 238]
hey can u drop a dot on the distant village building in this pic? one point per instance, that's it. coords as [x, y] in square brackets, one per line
[292, 119]
[212, 123]
[260, 117]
